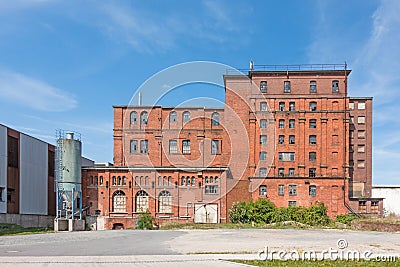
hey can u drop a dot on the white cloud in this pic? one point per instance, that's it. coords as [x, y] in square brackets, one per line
[20, 89]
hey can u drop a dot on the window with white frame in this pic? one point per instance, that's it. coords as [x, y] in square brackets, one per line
[263, 139]
[263, 87]
[142, 201]
[361, 119]
[173, 117]
[291, 172]
[173, 146]
[263, 172]
[286, 156]
[263, 124]
[143, 118]
[133, 117]
[281, 106]
[281, 190]
[286, 86]
[281, 172]
[291, 123]
[281, 124]
[134, 147]
[119, 201]
[215, 147]
[351, 105]
[144, 146]
[313, 123]
[313, 86]
[361, 105]
[211, 189]
[215, 119]
[186, 146]
[292, 203]
[313, 139]
[312, 190]
[165, 202]
[263, 106]
[292, 190]
[292, 106]
[185, 117]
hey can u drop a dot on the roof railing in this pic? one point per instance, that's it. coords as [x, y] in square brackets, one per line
[293, 67]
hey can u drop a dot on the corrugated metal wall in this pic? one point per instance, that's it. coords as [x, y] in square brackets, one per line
[3, 168]
[33, 176]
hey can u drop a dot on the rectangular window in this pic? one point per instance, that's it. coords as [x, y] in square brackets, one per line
[374, 206]
[281, 124]
[351, 148]
[144, 146]
[291, 124]
[291, 139]
[263, 155]
[351, 105]
[361, 149]
[313, 106]
[211, 189]
[292, 203]
[351, 119]
[173, 146]
[13, 155]
[361, 119]
[281, 106]
[286, 87]
[134, 146]
[361, 164]
[312, 191]
[215, 147]
[361, 134]
[263, 106]
[362, 206]
[312, 172]
[263, 190]
[352, 134]
[313, 87]
[335, 86]
[263, 139]
[286, 156]
[361, 105]
[313, 124]
[263, 172]
[292, 106]
[292, 190]
[281, 190]
[281, 139]
[281, 172]
[263, 87]
[313, 139]
[335, 139]
[2, 194]
[291, 172]
[312, 156]
[263, 124]
[186, 147]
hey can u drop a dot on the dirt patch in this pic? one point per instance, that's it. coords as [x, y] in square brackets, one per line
[376, 226]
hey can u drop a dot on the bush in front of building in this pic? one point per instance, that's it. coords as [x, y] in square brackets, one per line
[145, 221]
[264, 211]
[346, 218]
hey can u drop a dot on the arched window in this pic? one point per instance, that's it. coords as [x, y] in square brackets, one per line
[169, 180]
[173, 117]
[146, 180]
[186, 117]
[141, 180]
[263, 87]
[183, 180]
[164, 181]
[193, 181]
[216, 179]
[159, 181]
[143, 118]
[119, 180]
[123, 180]
[134, 117]
[215, 119]
[119, 201]
[101, 180]
[165, 202]
[114, 180]
[142, 201]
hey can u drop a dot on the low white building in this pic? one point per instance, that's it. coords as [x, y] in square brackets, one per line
[391, 195]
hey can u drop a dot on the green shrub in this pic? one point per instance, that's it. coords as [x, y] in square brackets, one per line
[346, 218]
[264, 211]
[145, 221]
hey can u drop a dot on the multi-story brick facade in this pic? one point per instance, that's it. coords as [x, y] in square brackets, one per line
[286, 135]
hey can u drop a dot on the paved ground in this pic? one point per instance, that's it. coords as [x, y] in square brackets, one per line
[178, 248]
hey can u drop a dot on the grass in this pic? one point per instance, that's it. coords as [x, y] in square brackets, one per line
[325, 263]
[15, 229]
[199, 226]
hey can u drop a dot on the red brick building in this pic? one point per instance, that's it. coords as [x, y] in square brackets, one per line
[293, 136]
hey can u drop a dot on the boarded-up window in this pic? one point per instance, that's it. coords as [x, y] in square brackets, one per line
[361, 134]
[12, 145]
[361, 148]
[361, 105]
[361, 119]
[361, 164]
[335, 139]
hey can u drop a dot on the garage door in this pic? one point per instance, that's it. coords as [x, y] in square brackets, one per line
[205, 213]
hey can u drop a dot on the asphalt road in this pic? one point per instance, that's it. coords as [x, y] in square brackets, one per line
[178, 248]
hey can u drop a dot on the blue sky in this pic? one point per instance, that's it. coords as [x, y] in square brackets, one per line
[63, 64]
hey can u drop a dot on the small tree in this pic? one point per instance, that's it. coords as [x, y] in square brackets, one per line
[145, 221]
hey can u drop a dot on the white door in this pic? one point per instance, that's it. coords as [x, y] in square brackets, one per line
[206, 213]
